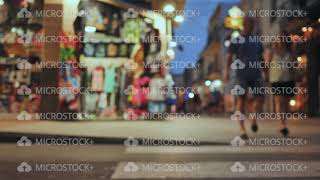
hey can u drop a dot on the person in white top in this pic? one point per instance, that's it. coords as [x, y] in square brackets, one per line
[281, 77]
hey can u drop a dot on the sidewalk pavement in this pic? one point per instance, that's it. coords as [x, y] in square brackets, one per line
[208, 130]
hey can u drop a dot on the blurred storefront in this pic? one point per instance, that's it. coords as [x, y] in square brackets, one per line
[114, 41]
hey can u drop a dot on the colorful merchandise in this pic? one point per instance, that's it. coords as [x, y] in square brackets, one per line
[97, 79]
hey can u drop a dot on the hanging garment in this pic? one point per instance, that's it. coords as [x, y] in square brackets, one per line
[91, 102]
[102, 104]
[97, 79]
[109, 80]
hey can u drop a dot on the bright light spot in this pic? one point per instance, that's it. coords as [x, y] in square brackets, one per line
[319, 20]
[304, 29]
[216, 83]
[173, 44]
[169, 8]
[170, 53]
[1, 2]
[235, 12]
[179, 19]
[191, 95]
[292, 102]
[90, 29]
[235, 34]
[227, 43]
[310, 29]
[207, 83]
[13, 29]
[235, 22]
[299, 59]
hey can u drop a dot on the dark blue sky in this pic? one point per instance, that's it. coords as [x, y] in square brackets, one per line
[195, 26]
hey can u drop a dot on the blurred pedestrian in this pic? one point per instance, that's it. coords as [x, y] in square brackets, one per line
[246, 52]
[157, 95]
[282, 76]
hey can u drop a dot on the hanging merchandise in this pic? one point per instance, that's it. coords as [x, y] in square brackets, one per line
[89, 49]
[115, 24]
[95, 18]
[133, 29]
[100, 50]
[109, 79]
[123, 50]
[70, 83]
[91, 102]
[67, 47]
[97, 79]
[110, 86]
[112, 50]
[102, 103]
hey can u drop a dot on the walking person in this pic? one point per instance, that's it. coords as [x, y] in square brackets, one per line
[247, 52]
[281, 76]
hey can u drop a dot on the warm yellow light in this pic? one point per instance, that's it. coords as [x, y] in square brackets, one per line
[304, 29]
[299, 59]
[310, 29]
[292, 102]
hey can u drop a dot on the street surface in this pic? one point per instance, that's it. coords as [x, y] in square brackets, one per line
[218, 158]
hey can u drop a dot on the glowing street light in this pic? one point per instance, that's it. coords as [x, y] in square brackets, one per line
[292, 102]
[169, 8]
[304, 29]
